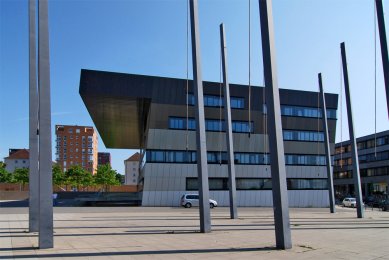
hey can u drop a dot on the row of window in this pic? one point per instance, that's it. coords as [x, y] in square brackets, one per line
[384, 140]
[306, 112]
[364, 158]
[308, 136]
[371, 172]
[90, 138]
[210, 125]
[243, 127]
[286, 110]
[162, 156]
[76, 144]
[217, 101]
[258, 184]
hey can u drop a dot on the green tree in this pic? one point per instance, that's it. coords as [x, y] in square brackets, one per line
[77, 176]
[21, 176]
[106, 176]
[120, 178]
[58, 176]
[5, 176]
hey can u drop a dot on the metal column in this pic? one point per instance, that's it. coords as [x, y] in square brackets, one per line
[227, 118]
[384, 47]
[354, 152]
[202, 167]
[277, 159]
[33, 201]
[45, 161]
[327, 147]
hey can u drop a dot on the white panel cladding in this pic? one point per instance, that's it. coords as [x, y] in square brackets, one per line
[297, 199]
[306, 171]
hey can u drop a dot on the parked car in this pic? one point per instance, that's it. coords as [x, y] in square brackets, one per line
[349, 202]
[189, 200]
[374, 202]
[385, 205]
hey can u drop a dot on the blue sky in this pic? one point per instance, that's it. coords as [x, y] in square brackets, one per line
[149, 37]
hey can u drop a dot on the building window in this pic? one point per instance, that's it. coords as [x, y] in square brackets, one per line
[312, 112]
[210, 125]
[306, 184]
[298, 159]
[217, 101]
[77, 131]
[308, 136]
[70, 130]
[258, 184]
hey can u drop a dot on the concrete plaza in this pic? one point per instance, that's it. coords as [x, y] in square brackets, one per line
[172, 233]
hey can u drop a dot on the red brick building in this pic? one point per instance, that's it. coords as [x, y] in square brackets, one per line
[76, 145]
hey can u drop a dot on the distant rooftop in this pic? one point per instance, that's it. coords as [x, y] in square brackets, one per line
[19, 154]
[134, 158]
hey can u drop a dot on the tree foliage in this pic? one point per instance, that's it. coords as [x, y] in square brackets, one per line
[58, 175]
[20, 176]
[106, 176]
[77, 176]
[5, 176]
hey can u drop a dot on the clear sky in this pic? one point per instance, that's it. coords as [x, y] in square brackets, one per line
[149, 37]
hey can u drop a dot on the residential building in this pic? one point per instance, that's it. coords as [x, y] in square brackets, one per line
[103, 158]
[131, 166]
[152, 114]
[17, 158]
[76, 145]
[373, 156]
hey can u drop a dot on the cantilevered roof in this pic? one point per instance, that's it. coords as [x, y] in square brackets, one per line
[118, 106]
[119, 103]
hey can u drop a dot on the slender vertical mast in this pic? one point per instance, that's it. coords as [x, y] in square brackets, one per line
[278, 171]
[384, 47]
[354, 152]
[330, 182]
[33, 201]
[202, 167]
[45, 161]
[227, 118]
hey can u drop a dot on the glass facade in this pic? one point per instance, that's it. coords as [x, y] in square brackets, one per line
[298, 111]
[298, 159]
[306, 112]
[306, 136]
[169, 156]
[214, 125]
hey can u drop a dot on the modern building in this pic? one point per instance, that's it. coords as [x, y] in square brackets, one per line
[150, 113]
[373, 155]
[131, 167]
[103, 158]
[17, 158]
[76, 145]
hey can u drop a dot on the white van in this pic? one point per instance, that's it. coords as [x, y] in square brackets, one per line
[189, 200]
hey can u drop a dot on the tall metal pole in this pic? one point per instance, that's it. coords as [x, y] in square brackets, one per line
[33, 202]
[45, 161]
[202, 167]
[278, 172]
[227, 117]
[384, 47]
[327, 147]
[354, 152]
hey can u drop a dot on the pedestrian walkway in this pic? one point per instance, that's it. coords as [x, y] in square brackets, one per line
[172, 233]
